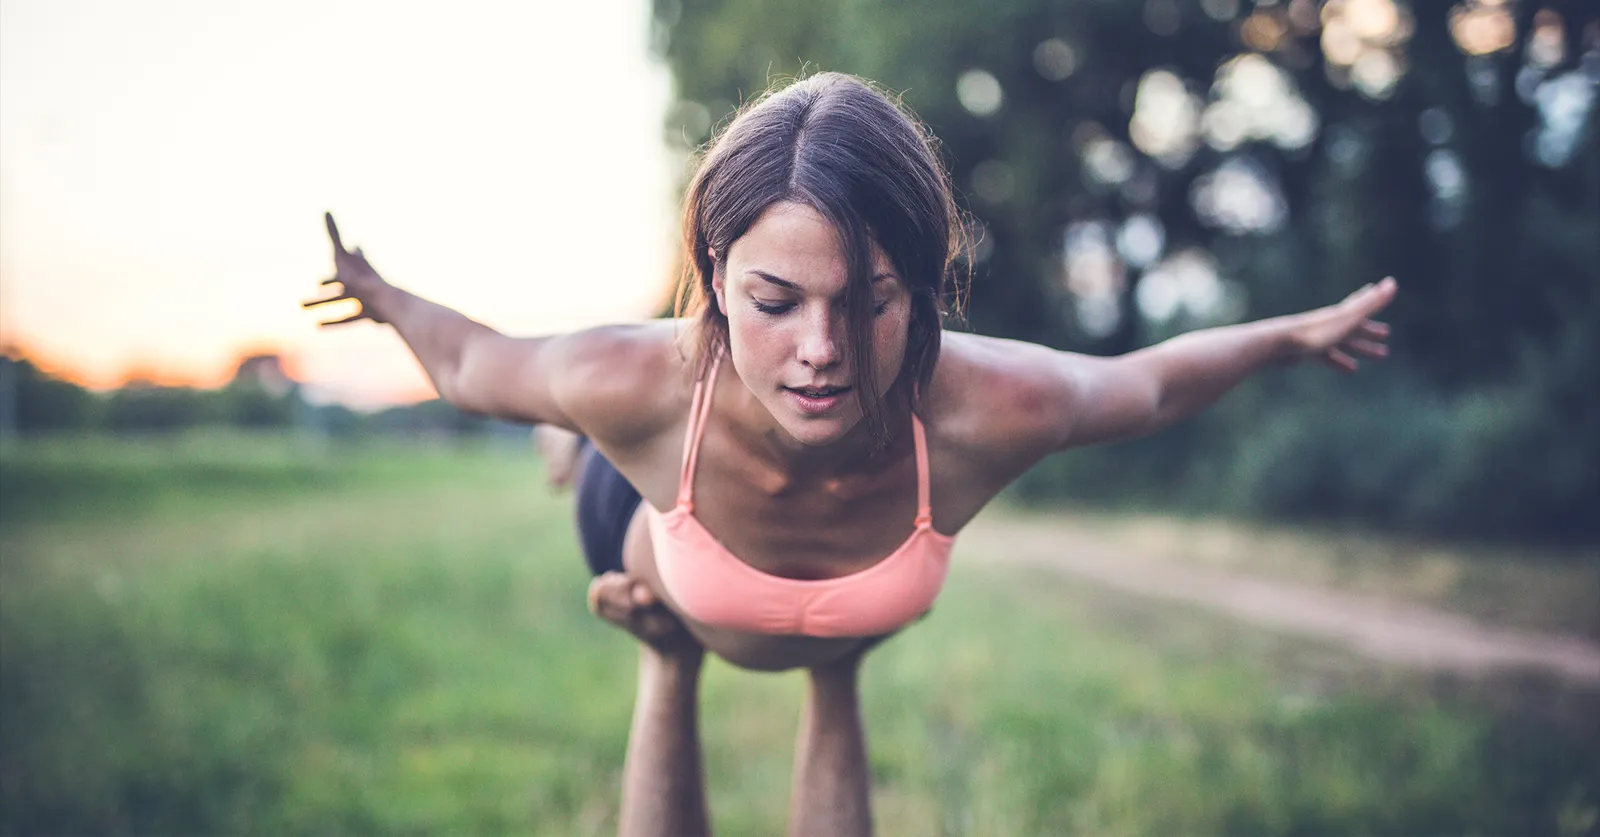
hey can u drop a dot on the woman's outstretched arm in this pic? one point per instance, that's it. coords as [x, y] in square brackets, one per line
[472, 366]
[1144, 391]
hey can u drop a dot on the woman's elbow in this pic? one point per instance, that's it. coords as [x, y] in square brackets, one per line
[463, 390]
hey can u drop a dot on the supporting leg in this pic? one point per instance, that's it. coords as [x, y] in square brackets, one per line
[831, 796]
[663, 781]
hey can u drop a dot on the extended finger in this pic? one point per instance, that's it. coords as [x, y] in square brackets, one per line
[1373, 328]
[350, 319]
[1373, 298]
[333, 232]
[1355, 297]
[311, 303]
[1340, 361]
[1367, 348]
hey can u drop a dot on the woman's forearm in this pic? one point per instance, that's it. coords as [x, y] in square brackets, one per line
[1193, 370]
[1142, 392]
[474, 367]
[437, 335]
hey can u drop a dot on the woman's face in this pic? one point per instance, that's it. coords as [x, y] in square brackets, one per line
[783, 288]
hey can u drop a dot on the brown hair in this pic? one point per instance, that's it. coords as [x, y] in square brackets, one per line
[856, 156]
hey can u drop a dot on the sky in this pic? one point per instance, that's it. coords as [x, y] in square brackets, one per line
[164, 168]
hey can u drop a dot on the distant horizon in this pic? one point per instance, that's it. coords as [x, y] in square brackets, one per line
[223, 374]
[219, 376]
[165, 171]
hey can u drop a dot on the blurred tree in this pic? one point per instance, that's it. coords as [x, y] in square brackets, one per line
[433, 417]
[38, 401]
[141, 406]
[261, 394]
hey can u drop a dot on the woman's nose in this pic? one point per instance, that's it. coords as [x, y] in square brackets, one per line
[819, 345]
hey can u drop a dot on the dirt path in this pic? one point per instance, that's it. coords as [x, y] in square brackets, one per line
[1387, 631]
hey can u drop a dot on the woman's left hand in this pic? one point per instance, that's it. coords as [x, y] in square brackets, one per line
[1343, 334]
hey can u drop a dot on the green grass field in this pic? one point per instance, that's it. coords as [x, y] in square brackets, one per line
[235, 636]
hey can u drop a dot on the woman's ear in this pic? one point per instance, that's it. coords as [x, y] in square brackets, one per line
[719, 288]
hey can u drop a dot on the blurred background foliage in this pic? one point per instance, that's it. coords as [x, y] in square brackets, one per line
[1137, 168]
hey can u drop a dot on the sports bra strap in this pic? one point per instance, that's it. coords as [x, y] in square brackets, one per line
[699, 410]
[924, 506]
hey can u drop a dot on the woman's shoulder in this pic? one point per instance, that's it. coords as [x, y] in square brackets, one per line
[625, 383]
[995, 397]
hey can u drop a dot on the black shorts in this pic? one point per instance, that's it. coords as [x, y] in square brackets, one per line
[606, 503]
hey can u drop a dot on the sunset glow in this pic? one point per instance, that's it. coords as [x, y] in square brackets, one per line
[165, 169]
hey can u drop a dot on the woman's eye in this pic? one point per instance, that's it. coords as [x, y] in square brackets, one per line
[772, 307]
[880, 307]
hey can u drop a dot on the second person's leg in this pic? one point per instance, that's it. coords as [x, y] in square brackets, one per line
[663, 782]
[832, 788]
[663, 779]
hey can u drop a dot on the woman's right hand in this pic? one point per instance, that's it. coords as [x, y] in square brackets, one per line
[357, 281]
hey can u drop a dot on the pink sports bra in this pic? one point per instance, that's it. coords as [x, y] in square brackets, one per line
[714, 587]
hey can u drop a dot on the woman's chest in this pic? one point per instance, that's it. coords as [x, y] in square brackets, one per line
[806, 527]
[747, 649]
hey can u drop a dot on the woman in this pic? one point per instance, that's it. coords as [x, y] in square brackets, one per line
[813, 419]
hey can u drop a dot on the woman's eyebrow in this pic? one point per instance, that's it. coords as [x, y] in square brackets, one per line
[787, 285]
[782, 283]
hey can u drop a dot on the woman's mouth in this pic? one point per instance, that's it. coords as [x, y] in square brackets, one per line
[816, 401]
